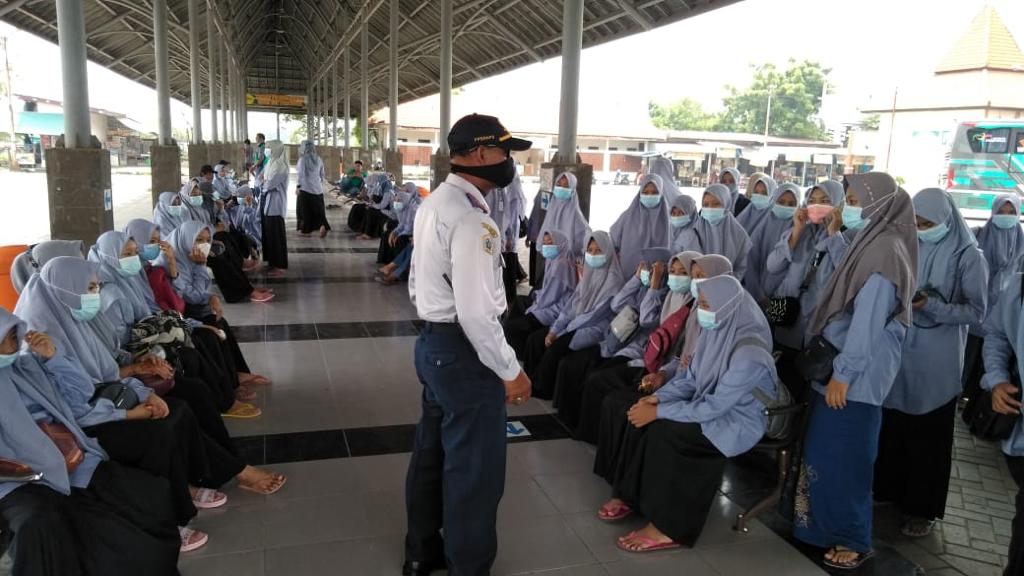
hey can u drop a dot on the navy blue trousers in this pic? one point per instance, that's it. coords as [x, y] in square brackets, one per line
[457, 473]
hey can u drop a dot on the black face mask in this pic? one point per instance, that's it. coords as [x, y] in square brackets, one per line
[500, 174]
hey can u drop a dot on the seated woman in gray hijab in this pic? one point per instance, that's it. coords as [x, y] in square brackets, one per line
[82, 514]
[804, 258]
[915, 447]
[552, 298]
[170, 212]
[400, 241]
[763, 238]
[244, 212]
[673, 455]
[582, 323]
[665, 169]
[762, 193]
[29, 262]
[640, 297]
[719, 232]
[864, 313]
[682, 219]
[644, 224]
[610, 391]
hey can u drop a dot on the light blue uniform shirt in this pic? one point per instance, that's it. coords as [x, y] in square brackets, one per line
[632, 294]
[728, 413]
[1002, 342]
[869, 343]
[590, 327]
[933, 357]
[274, 199]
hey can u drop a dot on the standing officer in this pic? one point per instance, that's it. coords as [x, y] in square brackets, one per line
[468, 370]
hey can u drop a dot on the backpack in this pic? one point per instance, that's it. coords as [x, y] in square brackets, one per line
[662, 340]
[779, 425]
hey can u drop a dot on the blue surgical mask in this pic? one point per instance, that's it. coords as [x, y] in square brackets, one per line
[561, 192]
[852, 217]
[645, 277]
[150, 252]
[706, 319]
[7, 359]
[89, 307]
[760, 201]
[934, 234]
[195, 200]
[650, 200]
[679, 283]
[595, 260]
[693, 287]
[397, 206]
[1006, 221]
[175, 210]
[713, 215]
[784, 212]
[549, 251]
[130, 266]
[679, 221]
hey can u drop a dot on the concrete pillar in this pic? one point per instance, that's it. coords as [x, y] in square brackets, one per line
[211, 69]
[166, 169]
[572, 46]
[222, 68]
[75, 81]
[78, 186]
[163, 88]
[346, 81]
[393, 81]
[364, 83]
[193, 67]
[440, 163]
[331, 156]
[198, 154]
[393, 164]
[440, 167]
[292, 154]
[334, 104]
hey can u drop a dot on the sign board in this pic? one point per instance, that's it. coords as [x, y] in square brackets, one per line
[276, 100]
[108, 200]
[825, 159]
[516, 430]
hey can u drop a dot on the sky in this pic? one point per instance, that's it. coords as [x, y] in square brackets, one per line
[870, 45]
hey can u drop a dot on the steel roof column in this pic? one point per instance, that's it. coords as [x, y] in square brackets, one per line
[211, 69]
[364, 80]
[346, 81]
[163, 90]
[193, 68]
[229, 104]
[572, 46]
[446, 74]
[222, 68]
[334, 103]
[310, 103]
[71, 38]
[393, 81]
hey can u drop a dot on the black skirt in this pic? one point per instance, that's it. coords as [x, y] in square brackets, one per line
[569, 383]
[356, 217]
[230, 277]
[385, 253]
[314, 214]
[275, 242]
[915, 458]
[373, 222]
[518, 329]
[671, 477]
[542, 362]
[37, 532]
[615, 375]
[616, 434]
[300, 209]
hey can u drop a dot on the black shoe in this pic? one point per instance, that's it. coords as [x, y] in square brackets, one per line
[422, 568]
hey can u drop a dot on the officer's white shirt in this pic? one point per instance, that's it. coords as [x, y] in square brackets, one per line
[453, 236]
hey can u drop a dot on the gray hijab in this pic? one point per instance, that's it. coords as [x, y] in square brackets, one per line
[45, 306]
[938, 263]
[565, 216]
[765, 235]
[640, 227]
[599, 284]
[559, 274]
[727, 237]
[29, 262]
[673, 300]
[734, 188]
[684, 237]
[886, 246]
[183, 240]
[162, 213]
[663, 168]
[713, 266]
[107, 253]
[752, 216]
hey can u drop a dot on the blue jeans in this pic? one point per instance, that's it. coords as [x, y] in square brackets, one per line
[457, 471]
[402, 261]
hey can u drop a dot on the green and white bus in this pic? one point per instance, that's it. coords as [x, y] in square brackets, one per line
[986, 159]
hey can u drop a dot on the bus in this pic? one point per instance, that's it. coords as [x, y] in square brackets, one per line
[986, 159]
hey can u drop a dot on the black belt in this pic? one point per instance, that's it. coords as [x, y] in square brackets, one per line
[442, 327]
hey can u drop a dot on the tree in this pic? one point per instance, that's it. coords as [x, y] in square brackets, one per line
[299, 134]
[871, 122]
[796, 100]
[685, 114]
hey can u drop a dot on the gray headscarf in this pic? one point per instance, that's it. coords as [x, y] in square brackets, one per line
[141, 230]
[765, 235]
[183, 239]
[663, 168]
[162, 216]
[565, 216]
[685, 236]
[639, 227]
[938, 262]
[277, 163]
[198, 213]
[674, 301]
[129, 290]
[29, 262]
[559, 275]
[1001, 247]
[45, 306]
[886, 246]
[598, 284]
[713, 266]
[312, 169]
[734, 189]
[806, 247]
[752, 216]
[727, 237]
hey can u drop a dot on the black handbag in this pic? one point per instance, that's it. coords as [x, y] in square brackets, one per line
[814, 361]
[986, 423]
[783, 311]
[121, 395]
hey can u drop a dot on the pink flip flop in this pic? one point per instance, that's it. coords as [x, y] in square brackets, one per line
[192, 539]
[648, 544]
[207, 498]
[615, 513]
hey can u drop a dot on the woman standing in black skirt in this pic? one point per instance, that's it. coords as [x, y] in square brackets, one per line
[274, 204]
[311, 192]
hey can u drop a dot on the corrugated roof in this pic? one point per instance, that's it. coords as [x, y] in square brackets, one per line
[987, 44]
[282, 44]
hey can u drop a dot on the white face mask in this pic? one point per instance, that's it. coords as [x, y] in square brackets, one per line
[204, 249]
